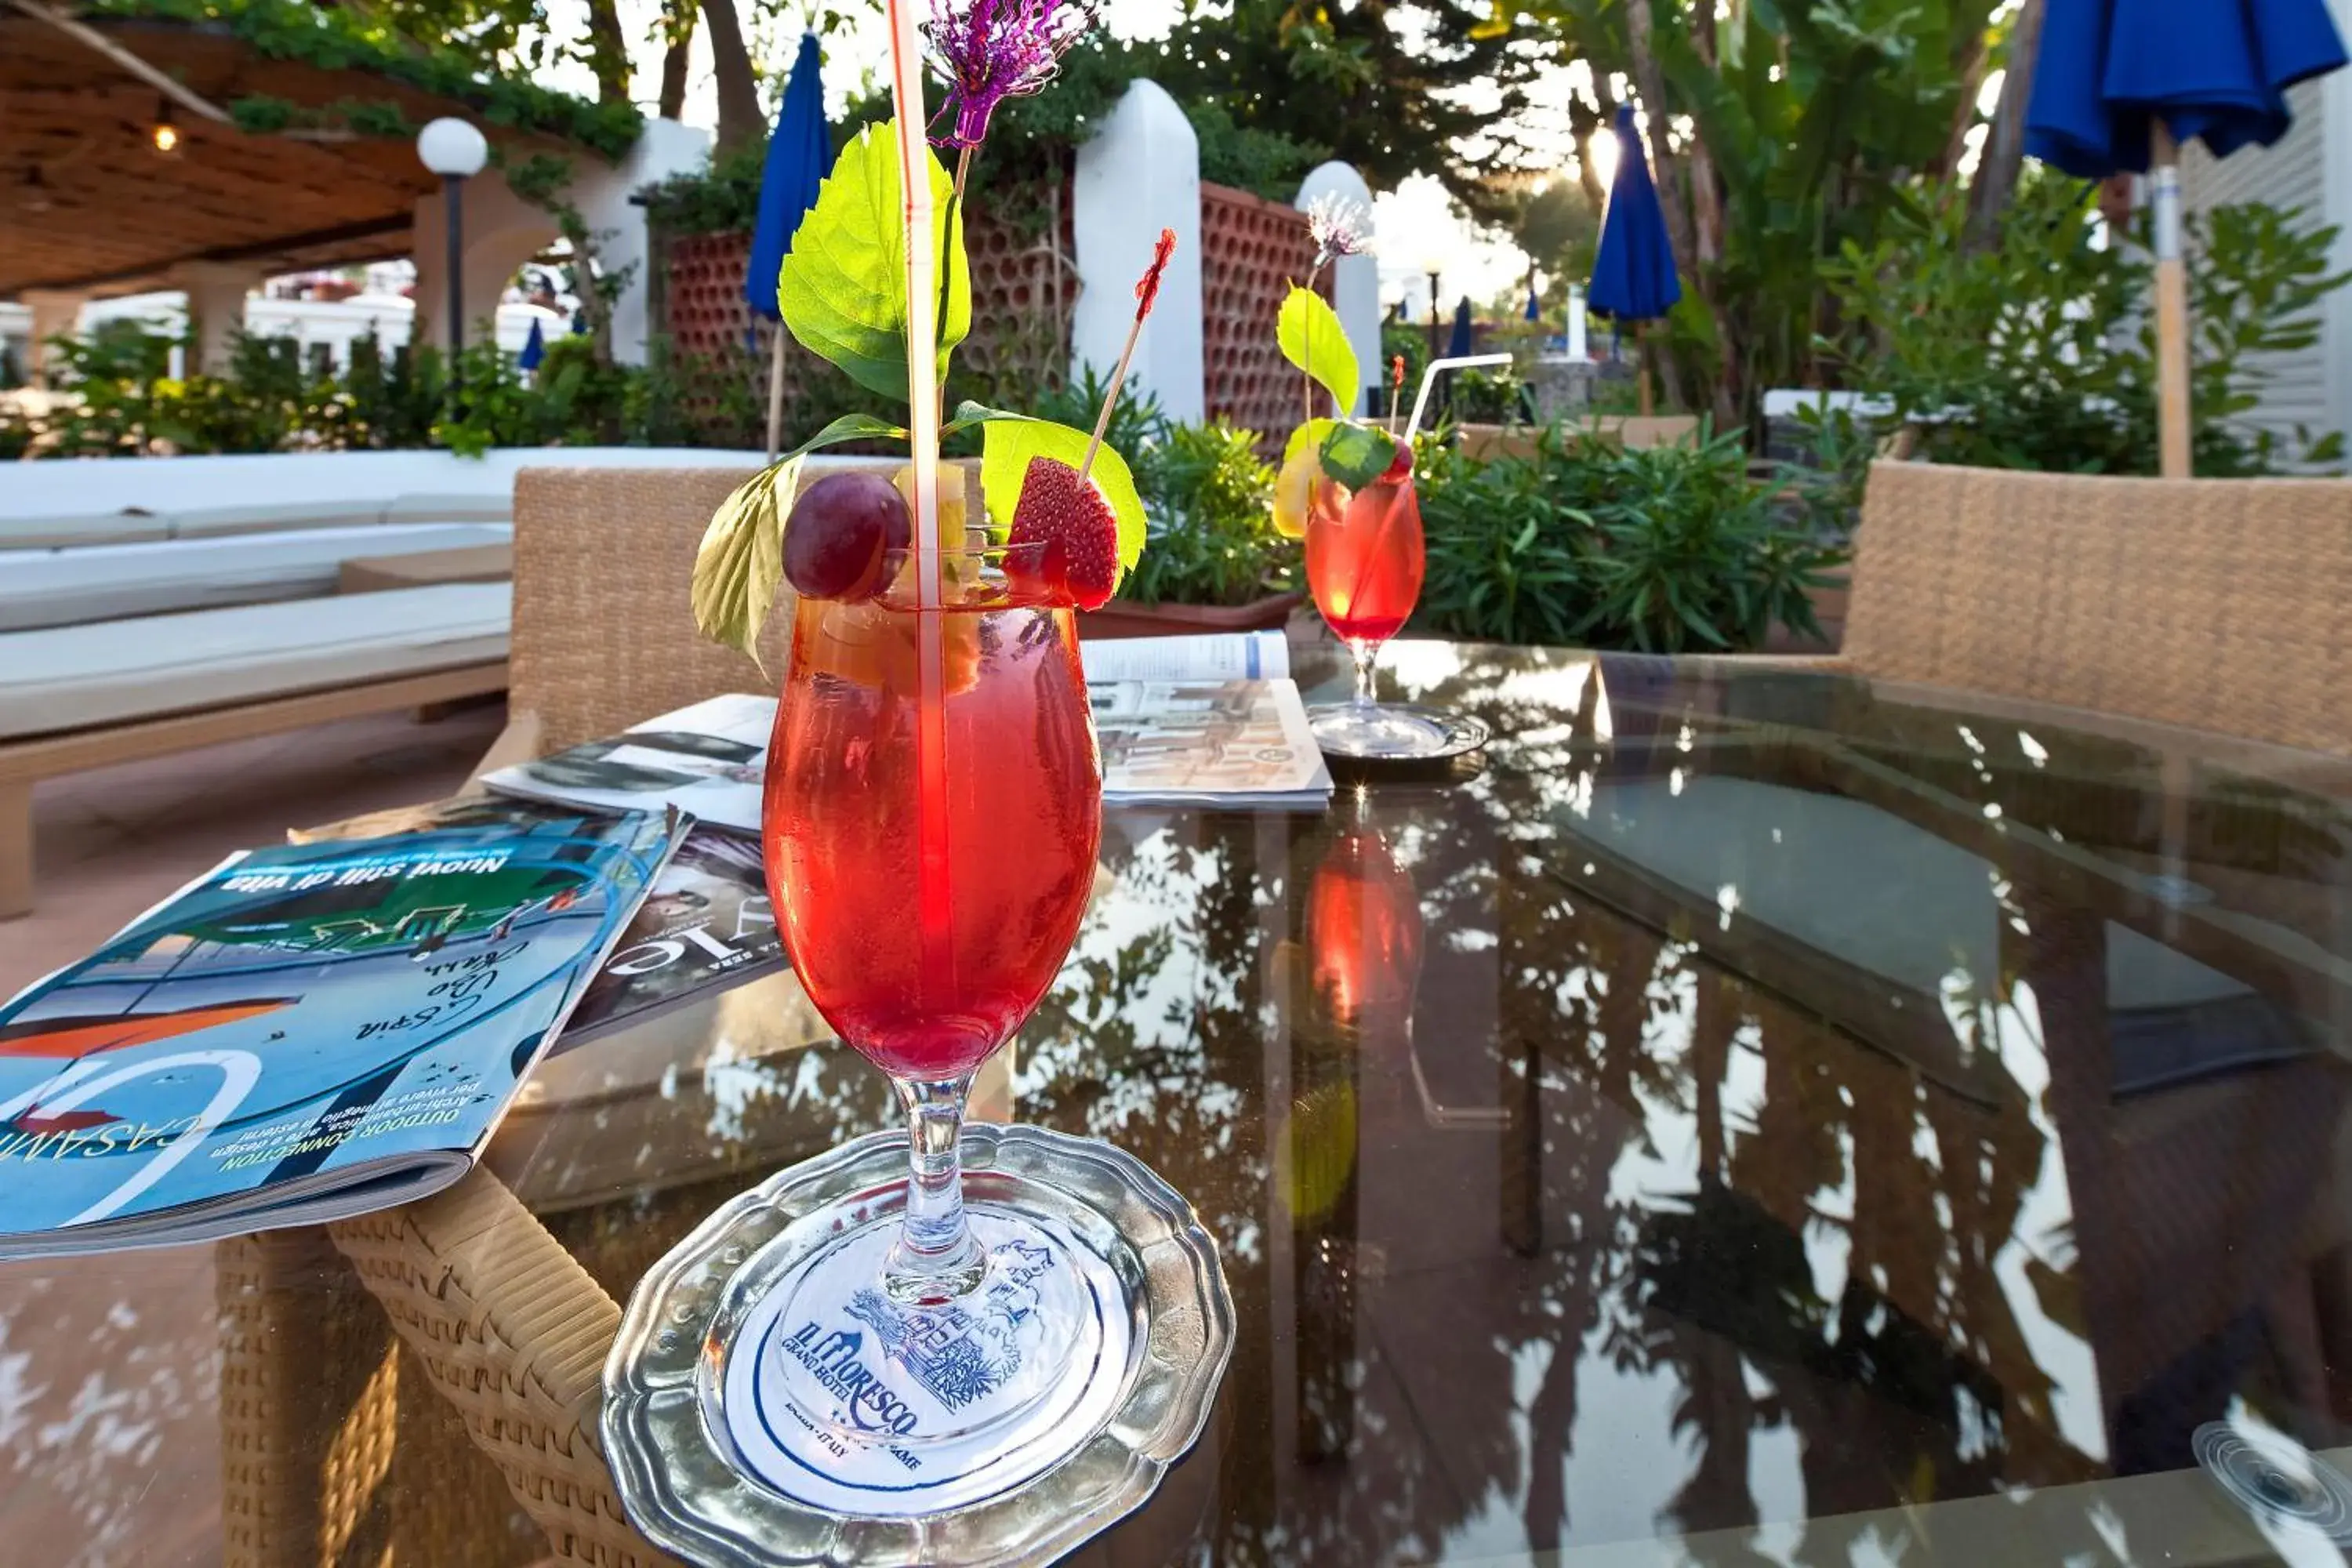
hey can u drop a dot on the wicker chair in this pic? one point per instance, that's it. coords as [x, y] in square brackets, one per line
[2215, 604]
[604, 623]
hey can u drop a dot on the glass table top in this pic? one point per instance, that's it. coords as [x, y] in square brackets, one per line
[1744, 1118]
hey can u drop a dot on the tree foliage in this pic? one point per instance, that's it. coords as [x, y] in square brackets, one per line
[1779, 130]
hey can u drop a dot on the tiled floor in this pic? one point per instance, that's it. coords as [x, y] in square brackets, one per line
[109, 1420]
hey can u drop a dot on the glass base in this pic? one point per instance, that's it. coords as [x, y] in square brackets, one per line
[767, 1402]
[1392, 732]
[838, 1399]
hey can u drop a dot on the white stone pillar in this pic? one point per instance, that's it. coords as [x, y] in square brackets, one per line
[217, 293]
[624, 245]
[1355, 279]
[57, 313]
[1139, 174]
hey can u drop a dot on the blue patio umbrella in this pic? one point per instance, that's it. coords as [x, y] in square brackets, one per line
[1458, 345]
[2119, 84]
[1535, 306]
[534, 348]
[799, 154]
[1633, 274]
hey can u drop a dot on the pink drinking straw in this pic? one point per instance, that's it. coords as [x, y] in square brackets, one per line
[934, 892]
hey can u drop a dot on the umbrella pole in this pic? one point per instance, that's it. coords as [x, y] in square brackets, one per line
[2171, 308]
[1642, 373]
[775, 390]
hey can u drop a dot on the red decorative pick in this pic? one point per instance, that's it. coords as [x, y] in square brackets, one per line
[1147, 294]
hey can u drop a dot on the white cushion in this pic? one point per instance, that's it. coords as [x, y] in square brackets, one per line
[478, 507]
[58, 530]
[209, 522]
[73, 678]
[63, 587]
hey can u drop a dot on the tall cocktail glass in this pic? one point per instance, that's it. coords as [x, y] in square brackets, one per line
[933, 806]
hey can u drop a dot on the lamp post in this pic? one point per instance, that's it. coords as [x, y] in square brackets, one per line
[1434, 350]
[453, 150]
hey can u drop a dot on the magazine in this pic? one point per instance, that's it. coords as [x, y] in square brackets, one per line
[704, 760]
[306, 1032]
[1212, 720]
[706, 925]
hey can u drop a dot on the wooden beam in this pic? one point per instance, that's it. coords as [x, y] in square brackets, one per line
[169, 86]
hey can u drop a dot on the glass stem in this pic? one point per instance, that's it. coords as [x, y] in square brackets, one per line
[936, 1257]
[1367, 653]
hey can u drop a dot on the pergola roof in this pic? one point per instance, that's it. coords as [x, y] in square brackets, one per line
[86, 202]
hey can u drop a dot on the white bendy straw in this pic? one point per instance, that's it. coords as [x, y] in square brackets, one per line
[1429, 379]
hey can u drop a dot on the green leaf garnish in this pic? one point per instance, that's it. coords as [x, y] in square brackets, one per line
[843, 288]
[1356, 455]
[741, 558]
[1311, 338]
[1314, 433]
[1009, 441]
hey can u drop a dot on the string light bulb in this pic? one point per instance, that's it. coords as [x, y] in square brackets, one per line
[163, 133]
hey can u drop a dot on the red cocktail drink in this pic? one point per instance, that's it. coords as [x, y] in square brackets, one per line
[926, 970]
[1364, 560]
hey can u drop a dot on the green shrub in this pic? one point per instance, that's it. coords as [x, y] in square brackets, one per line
[1210, 499]
[1664, 550]
[2040, 352]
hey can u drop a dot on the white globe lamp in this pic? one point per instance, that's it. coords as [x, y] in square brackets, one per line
[456, 151]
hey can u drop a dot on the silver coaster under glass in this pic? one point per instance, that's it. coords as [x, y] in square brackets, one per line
[1393, 731]
[766, 1403]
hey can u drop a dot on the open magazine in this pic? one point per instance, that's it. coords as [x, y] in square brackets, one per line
[1214, 719]
[306, 1032]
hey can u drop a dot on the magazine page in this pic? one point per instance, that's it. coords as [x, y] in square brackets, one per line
[1239, 743]
[707, 926]
[305, 1018]
[1210, 656]
[706, 761]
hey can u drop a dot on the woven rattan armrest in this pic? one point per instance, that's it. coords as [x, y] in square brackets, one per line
[515, 1334]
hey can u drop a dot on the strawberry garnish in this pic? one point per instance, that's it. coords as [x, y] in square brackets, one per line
[1067, 514]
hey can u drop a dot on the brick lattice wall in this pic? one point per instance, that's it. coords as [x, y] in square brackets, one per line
[1023, 289]
[1252, 251]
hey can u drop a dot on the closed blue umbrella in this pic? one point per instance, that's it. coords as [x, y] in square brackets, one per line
[1633, 273]
[2119, 84]
[1535, 306]
[1458, 345]
[534, 348]
[799, 154]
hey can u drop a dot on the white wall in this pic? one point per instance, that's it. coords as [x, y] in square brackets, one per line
[1142, 173]
[2309, 387]
[501, 232]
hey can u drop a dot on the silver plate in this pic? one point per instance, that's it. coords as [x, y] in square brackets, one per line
[1414, 734]
[665, 1421]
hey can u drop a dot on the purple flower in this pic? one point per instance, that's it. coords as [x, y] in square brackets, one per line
[995, 49]
[1338, 227]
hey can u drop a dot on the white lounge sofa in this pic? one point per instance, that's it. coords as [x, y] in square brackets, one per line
[111, 581]
[74, 698]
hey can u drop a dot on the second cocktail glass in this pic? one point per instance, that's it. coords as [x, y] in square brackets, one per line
[1364, 561]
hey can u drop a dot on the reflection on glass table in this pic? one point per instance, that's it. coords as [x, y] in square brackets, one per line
[1733, 1127]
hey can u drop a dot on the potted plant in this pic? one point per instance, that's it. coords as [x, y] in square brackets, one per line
[1215, 563]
